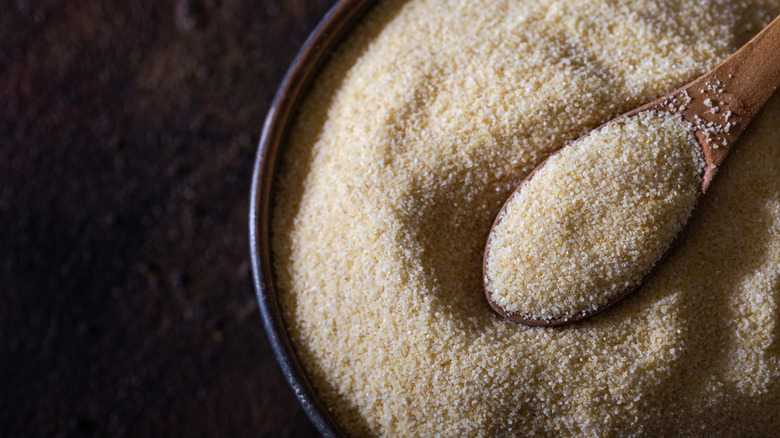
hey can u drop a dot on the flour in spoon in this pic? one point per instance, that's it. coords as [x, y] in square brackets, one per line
[595, 219]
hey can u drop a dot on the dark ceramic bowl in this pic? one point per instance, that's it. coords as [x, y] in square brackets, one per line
[330, 31]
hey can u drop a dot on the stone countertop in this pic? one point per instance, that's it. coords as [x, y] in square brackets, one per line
[127, 139]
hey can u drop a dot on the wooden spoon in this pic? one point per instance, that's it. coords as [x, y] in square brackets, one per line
[719, 105]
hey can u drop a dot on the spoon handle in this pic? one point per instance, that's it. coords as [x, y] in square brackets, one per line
[752, 74]
[739, 88]
[723, 102]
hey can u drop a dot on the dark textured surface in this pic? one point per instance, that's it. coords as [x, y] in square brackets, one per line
[127, 138]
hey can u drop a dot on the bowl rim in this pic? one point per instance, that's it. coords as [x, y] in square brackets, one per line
[330, 31]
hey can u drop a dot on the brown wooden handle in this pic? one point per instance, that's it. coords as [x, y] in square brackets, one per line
[752, 74]
[732, 95]
[722, 103]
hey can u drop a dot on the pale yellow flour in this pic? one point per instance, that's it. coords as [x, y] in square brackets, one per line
[414, 135]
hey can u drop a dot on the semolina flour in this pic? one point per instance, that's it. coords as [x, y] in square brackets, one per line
[412, 137]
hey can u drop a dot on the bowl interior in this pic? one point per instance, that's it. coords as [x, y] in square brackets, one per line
[329, 32]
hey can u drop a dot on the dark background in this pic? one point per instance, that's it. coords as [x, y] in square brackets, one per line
[128, 131]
